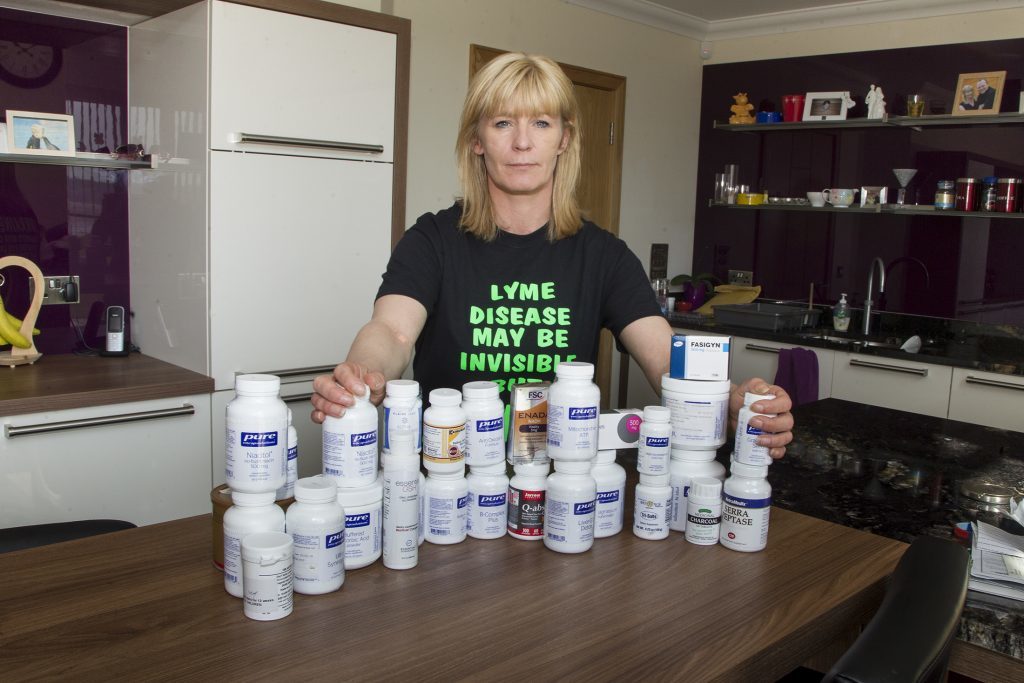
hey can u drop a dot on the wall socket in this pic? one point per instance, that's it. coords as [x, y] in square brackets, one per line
[58, 289]
[741, 277]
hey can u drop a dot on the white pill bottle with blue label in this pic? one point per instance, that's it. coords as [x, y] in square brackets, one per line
[573, 407]
[485, 424]
[746, 507]
[747, 450]
[350, 445]
[316, 524]
[256, 436]
[403, 411]
[570, 508]
[654, 445]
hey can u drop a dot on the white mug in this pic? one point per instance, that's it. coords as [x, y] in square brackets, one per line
[816, 198]
[839, 198]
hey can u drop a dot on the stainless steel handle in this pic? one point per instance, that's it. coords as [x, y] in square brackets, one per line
[758, 347]
[11, 431]
[306, 142]
[295, 372]
[923, 372]
[297, 397]
[993, 383]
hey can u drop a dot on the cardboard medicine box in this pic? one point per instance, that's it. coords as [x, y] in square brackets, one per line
[619, 429]
[699, 357]
[528, 423]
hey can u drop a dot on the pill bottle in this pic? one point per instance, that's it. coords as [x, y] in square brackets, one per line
[447, 496]
[256, 435]
[401, 506]
[248, 514]
[526, 497]
[403, 410]
[746, 506]
[288, 490]
[945, 194]
[403, 444]
[747, 450]
[364, 522]
[700, 411]
[350, 445]
[267, 568]
[653, 501]
[316, 524]
[610, 478]
[573, 402]
[487, 516]
[485, 424]
[653, 448]
[444, 433]
[686, 465]
[704, 511]
[988, 194]
[569, 507]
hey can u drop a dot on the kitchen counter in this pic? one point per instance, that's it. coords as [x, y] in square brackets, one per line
[65, 381]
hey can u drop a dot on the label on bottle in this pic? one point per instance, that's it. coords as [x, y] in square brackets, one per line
[703, 522]
[362, 537]
[651, 515]
[319, 557]
[487, 514]
[350, 455]
[745, 522]
[526, 512]
[444, 443]
[485, 441]
[255, 454]
[402, 418]
[698, 422]
[569, 522]
[608, 519]
[572, 428]
[446, 516]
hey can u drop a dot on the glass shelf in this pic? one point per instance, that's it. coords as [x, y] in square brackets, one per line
[87, 159]
[914, 122]
[892, 209]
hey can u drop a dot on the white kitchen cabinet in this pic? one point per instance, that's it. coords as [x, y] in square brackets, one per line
[899, 384]
[759, 358]
[987, 398]
[143, 462]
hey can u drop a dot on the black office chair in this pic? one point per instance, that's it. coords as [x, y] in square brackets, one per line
[909, 638]
[33, 536]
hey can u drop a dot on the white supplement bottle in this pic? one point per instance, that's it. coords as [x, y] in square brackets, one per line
[487, 516]
[364, 520]
[447, 499]
[256, 435]
[350, 445]
[704, 511]
[267, 566]
[444, 433]
[403, 410]
[653, 500]
[700, 411]
[653, 448]
[569, 507]
[401, 503]
[485, 424]
[316, 524]
[573, 402]
[248, 514]
[526, 497]
[747, 450]
[746, 506]
[684, 466]
[288, 490]
[610, 478]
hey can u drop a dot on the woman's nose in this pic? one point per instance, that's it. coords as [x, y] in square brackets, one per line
[522, 140]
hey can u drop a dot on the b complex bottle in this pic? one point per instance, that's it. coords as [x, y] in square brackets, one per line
[350, 445]
[704, 511]
[610, 478]
[653, 448]
[485, 424]
[364, 523]
[444, 433]
[653, 500]
[249, 513]
[569, 508]
[316, 524]
[747, 450]
[527, 492]
[403, 411]
[288, 490]
[746, 506]
[447, 499]
[256, 435]
[401, 506]
[488, 506]
[573, 402]
[684, 466]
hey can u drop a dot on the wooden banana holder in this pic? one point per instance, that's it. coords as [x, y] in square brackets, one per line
[16, 356]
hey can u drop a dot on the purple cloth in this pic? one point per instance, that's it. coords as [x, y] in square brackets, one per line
[798, 374]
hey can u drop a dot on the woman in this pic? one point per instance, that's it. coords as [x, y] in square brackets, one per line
[968, 102]
[510, 280]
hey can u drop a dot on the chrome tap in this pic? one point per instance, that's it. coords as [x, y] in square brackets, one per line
[868, 303]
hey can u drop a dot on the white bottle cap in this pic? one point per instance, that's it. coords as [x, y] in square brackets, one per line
[403, 442]
[492, 469]
[700, 455]
[654, 479]
[741, 469]
[399, 462]
[403, 388]
[266, 547]
[458, 474]
[479, 390]
[604, 457]
[363, 495]
[705, 488]
[657, 414]
[749, 398]
[253, 499]
[575, 370]
[695, 386]
[573, 466]
[365, 398]
[532, 469]
[258, 385]
[445, 397]
[318, 489]
[289, 417]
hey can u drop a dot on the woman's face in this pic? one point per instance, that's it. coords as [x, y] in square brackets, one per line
[968, 92]
[520, 151]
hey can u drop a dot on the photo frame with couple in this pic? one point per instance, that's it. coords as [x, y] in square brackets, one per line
[979, 93]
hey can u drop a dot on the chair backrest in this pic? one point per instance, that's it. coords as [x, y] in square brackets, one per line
[909, 638]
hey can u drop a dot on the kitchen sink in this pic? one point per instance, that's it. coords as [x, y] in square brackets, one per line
[847, 341]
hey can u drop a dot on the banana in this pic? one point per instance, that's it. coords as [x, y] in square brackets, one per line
[9, 332]
[17, 323]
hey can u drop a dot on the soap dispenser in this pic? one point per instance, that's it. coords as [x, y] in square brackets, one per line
[841, 314]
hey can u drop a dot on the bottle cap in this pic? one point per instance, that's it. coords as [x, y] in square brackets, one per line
[574, 370]
[654, 479]
[695, 386]
[316, 489]
[492, 469]
[657, 414]
[365, 398]
[363, 495]
[705, 488]
[257, 385]
[289, 417]
[751, 397]
[480, 390]
[604, 457]
[445, 397]
[253, 499]
[403, 388]
[266, 546]
[457, 474]
[573, 466]
[532, 469]
[741, 469]
[700, 455]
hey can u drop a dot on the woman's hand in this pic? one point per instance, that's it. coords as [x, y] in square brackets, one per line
[336, 392]
[778, 430]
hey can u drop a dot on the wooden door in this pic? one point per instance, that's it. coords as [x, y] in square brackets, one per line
[602, 100]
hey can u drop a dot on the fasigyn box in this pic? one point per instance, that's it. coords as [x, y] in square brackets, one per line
[528, 424]
[619, 429]
[699, 357]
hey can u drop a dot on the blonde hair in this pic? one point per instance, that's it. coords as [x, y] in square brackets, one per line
[517, 84]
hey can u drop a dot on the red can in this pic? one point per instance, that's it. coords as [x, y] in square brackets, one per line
[1008, 195]
[966, 194]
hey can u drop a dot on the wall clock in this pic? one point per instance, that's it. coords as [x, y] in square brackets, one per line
[28, 65]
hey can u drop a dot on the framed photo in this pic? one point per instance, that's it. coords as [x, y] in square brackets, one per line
[873, 195]
[3, 137]
[826, 106]
[978, 94]
[30, 132]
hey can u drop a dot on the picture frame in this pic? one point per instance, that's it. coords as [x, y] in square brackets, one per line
[57, 137]
[873, 195]
[3, 137]
[826, 106]
[978, 93]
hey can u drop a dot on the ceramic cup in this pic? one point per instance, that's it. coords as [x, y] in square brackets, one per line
[768, 117]
[840, 198]
[816, 198]
[792, 107]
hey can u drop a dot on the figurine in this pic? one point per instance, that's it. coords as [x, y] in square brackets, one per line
[848, 101]
[741, 110]
[875, 101]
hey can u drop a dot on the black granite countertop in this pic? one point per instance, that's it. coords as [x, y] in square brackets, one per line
[899, 474]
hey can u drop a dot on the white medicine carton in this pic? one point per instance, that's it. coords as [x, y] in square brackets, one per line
[619, 429]
[699, 357]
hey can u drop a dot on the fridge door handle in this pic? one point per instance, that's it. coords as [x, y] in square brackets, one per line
[334, 145]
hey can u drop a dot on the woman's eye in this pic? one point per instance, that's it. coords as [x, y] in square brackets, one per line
[502, 123]
[543, 123]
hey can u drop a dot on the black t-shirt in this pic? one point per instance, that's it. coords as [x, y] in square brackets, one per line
[510, 310]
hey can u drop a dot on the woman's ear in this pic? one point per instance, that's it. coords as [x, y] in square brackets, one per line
[566, 132]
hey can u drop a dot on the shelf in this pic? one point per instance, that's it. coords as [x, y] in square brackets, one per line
[914, 122]
[86, 159]
[892, 209]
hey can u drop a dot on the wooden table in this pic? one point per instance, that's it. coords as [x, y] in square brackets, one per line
[147, 604]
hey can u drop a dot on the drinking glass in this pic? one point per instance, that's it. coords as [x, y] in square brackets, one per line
[915, 105]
